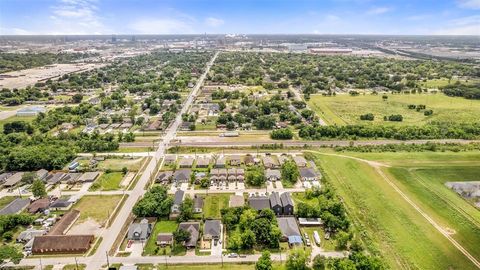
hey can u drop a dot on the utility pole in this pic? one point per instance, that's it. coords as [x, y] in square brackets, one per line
[41, 267]
[108, 263]
[76, 263]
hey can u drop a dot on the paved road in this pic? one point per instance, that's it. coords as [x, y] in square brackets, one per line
[297, 94]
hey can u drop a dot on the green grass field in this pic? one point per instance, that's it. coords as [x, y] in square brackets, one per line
[214, 203]
[345, 109]
[163, 226]
[116, 164]
[96, 207]
[391, 226]
[108, 181]
[6, 200]
[229, 266]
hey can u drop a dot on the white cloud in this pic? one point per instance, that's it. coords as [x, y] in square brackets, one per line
[214, 22]
[378, 10]
[76, 17]
[461, 26]
[161, 26]
[14, 31]
[473, 4]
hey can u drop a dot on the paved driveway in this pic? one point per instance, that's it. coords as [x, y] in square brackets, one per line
[217, 250]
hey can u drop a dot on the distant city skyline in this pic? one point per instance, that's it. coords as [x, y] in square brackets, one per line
[408, 17]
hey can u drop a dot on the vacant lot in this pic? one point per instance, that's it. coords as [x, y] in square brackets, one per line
[108, 181]
[214, 203]
[391, 226]
[116, 164]
[230, 266]
[96, 207]
[163, 226]
[346, 109]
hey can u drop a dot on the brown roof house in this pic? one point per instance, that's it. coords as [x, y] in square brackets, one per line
[61, 244]
[194, 229]
[38, 205]
[64, 224]
[164, 239]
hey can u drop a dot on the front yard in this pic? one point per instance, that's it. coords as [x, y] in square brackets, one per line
[162, 226]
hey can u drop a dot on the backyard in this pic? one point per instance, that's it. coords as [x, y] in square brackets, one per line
[162, 226]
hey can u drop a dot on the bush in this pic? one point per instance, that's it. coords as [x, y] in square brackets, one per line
[281, 134]
[367, 117]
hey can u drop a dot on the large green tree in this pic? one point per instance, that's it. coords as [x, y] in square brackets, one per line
[264, 262]
[38, 188]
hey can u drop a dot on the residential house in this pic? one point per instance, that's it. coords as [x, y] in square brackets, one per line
[308, 174]
[194, 229]
[55, 178]
[169, 160]
[5, 176]
[259, 202]
[61, 244]
[249, 161]
[290, 231]
[203, 162]
[236, 201]
[88, 177]
[186, 162]
[164, 177]
[300, 161]
[15, 206]
[220, 162]
[287, 204]
[212, 230]
[64, 224]
[140, 231]
[235, 160]
[71, 178]
[177, 201]
[197, 204]
[13, 179]
[41, 174]
[282, 159]
[273, 175]
[29, 234]
[164, 239]
[275, 203]
[270, 162]
[61, 204]
[182, 176]
[39, 205]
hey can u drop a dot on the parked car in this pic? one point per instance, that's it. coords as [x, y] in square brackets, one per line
[233, 255]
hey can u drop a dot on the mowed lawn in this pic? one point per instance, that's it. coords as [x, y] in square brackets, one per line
[214, 203]
[162, 226]
[229, 266]
[97, 207]
[344, 109]
[108, 181]
[386, 222]
[117, 164]
[6, 200]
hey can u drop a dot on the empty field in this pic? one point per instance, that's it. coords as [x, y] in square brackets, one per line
[346, 109]
[116, 164]
[214, 203]
[108, 181]
[97, 208]
[390, 225]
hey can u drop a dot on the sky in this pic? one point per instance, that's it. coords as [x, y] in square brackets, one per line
[395, 17]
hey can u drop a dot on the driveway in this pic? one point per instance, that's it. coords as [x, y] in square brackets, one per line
[217, 250]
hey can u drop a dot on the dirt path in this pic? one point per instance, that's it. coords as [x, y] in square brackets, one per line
[378, 168]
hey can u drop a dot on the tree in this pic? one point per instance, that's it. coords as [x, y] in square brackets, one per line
[124, 170]
[186, 209]
[319, 262]
[281, 134]
[155, 203]
[264, 262]
[255, 176]
[38, 188]
[28, 177]
[297, 260]
[181, 235]
[342, 239]
[10, 253]
[77, 98]
[290, 172]
[248, 239]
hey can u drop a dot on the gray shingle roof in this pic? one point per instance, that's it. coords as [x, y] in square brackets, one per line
[194, 229]
[275, 199]
[178, 197]
[259, 202]
[212, 227]
[288, 226]
[286, 199]
[15, 206]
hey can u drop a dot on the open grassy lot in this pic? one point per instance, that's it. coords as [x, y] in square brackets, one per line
[108, 181]
[15, 118]
[162, 226]
[116, 164]
[134, 149]
[97, 207]
[346, 109]
[214, 203]
[391, 226]
[6, 200]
